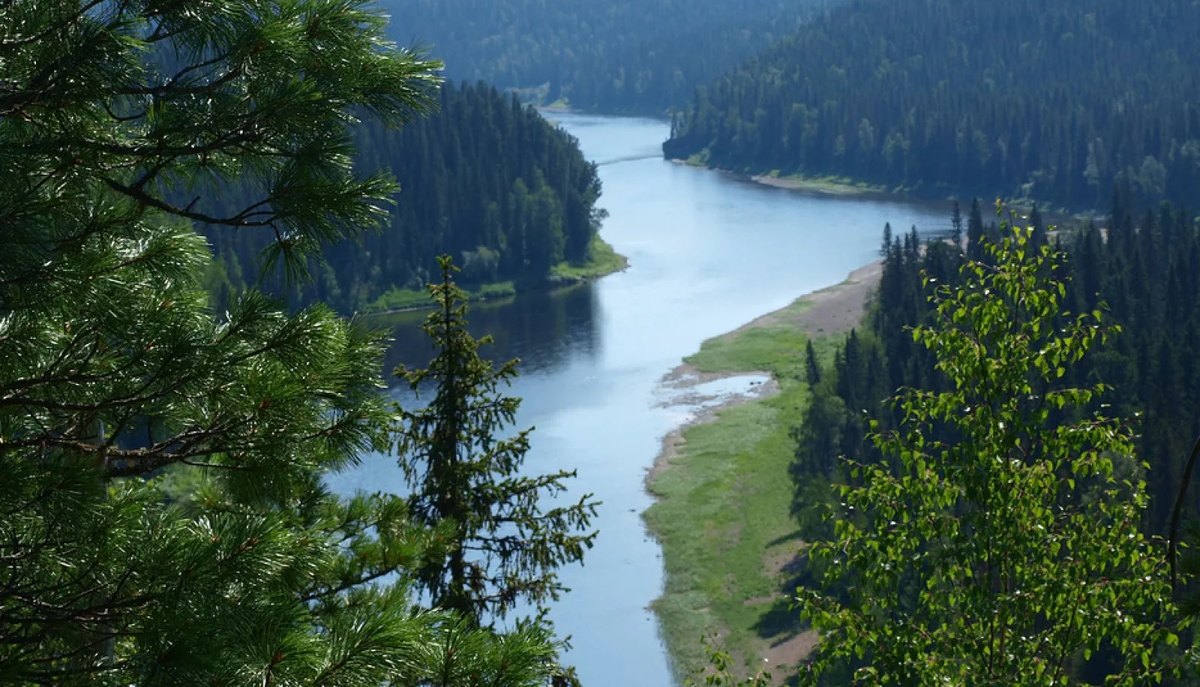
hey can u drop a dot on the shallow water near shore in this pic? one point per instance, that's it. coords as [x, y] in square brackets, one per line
[707, 254]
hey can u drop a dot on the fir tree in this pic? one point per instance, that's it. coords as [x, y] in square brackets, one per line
[975, 231]
[812, 369]
[956, 225]
[504, 548]
[1037, 226]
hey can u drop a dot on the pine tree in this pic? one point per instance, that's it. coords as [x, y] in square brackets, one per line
[504, 549]
[164, 515]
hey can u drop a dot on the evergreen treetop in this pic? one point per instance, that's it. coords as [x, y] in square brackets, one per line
[163, 517]
[506, 547]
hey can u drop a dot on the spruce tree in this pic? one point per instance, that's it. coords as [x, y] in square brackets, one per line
[975, 231]
[504, 548]
[163, 515]
[956, 225]
[812, 368]
[1037, 226]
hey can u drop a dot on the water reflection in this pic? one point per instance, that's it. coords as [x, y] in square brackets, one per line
[545, 329]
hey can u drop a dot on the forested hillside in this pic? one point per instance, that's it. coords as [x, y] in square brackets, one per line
[614, 57]
[1143, 271]
[486, 180]
[1054, 100]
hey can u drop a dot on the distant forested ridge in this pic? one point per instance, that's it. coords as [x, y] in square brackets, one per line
[617, 56]
[1049, 99]
[486, 180]
[1144, 271]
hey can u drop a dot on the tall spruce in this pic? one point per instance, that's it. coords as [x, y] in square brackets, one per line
[1038, 226]
[975, 231]
[812, 368]
[505, 548]
[956, 225]
[163, 519]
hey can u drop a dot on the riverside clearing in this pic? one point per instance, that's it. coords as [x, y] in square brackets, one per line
[722, 485]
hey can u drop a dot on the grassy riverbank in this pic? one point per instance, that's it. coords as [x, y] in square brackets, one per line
[604, 261]
[724, 493]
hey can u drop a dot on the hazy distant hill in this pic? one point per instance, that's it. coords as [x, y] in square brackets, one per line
[602, 55]
[1055, 99]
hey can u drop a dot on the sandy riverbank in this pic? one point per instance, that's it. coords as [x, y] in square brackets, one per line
[826, 186]
[722, 485]
[1051, 213]
[833, 310]
[830, 187]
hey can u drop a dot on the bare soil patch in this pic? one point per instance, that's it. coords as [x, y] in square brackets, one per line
[816, 186]
[833, 310]
[785, 656]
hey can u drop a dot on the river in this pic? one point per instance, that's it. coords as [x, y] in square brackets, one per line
[707, 253]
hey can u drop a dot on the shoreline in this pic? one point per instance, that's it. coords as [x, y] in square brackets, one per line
[722, 489]
[849, 189]
[839, 308]
[826, 187]
[606, 262]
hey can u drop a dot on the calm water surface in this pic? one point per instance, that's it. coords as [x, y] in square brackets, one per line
[707, 253]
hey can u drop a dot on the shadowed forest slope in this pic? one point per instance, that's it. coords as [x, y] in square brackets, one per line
[613, 57]
[485, 179]
[1051, 99]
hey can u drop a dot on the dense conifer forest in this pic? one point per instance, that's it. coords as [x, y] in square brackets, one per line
[612, 57]
[1141, 270]
[1052, 100]
[484, 179]
[982, 479]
